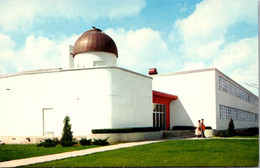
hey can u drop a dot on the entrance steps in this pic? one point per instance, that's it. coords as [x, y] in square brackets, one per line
[178, 134]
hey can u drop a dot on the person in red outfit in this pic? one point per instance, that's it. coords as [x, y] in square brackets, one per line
[203, 127]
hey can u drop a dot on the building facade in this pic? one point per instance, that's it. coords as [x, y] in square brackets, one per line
[208, 94]
[35, 103]
[96, 94]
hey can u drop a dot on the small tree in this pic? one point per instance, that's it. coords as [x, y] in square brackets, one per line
[231, 127]
[67, 137]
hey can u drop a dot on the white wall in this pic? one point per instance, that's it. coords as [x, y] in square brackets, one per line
[226, 99]
[81, 94]
[131, 99]
[94, 59]
[199, 97]
[92, 97]
[196, 97]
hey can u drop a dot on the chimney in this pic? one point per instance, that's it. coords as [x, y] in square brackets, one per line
[153, 71]
[71, 59]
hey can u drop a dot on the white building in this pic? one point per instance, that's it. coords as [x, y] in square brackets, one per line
[208, 94]
[97, 94]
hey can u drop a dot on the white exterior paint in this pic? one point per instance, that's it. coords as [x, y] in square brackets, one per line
[127, 137]
[94, 98]
[199, 97]
[196, 97]
[226, 99]
[94, 59]
[131, 99]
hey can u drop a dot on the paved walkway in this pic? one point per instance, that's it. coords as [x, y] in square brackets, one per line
[46, 158]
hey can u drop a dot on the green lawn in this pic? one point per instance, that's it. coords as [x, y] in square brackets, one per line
[255, 136]
[10, 152]
[209, 152]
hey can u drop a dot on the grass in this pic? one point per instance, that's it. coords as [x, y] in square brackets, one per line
[209, 152]
[11, 152]
[254, 136]
[236, 136]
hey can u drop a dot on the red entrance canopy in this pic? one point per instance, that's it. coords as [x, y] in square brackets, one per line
[164, 98]
[164, 95]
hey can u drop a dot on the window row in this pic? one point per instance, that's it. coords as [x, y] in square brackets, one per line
[236, 114]
[232, 89]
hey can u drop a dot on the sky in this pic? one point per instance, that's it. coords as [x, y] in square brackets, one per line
[170, 35]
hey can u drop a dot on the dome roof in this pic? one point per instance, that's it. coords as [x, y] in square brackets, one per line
[94, 40]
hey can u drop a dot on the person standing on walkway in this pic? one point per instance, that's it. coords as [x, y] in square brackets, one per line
[198, 132]
[203, 127]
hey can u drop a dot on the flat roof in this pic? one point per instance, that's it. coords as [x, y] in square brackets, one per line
[185, 72]
[205, 70]
[53, 70]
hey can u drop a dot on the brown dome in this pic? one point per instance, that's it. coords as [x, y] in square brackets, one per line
[94, 40]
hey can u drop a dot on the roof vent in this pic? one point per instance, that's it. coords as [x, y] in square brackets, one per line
[153, 71]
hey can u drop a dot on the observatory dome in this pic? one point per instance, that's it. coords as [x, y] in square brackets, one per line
[94, 40]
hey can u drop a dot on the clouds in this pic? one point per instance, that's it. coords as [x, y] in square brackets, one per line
[23, 14]
[203, 38]
[6, 45]
[204, 31]
[200, 40]
[240, 53]
[142, 49]
[239, 60]
[37, 53]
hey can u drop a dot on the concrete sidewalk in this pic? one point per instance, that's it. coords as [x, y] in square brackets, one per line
[46, 158]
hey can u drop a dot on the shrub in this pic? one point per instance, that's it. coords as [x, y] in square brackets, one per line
[68, 143]
[231, 127]
[248, 132]
[47, 143]
[85, 141]
[245, 133]
[66, 139]
[56, 141]
[225, 134]
[101, 142]
[254, 130]
[39, 144]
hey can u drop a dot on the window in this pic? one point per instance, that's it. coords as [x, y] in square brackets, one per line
[159, 116]
[220, 81]
[223, 112]
[225, 86]
[236, 114]
[232, 89]
[256, 117]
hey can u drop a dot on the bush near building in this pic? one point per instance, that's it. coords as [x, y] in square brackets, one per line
[101, 142]
[67, 136]
[48, 143]
[85, 141]
[239, 132]
[231, 127]
[248, 132]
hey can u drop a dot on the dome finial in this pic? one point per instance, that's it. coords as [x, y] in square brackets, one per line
[96, 28]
